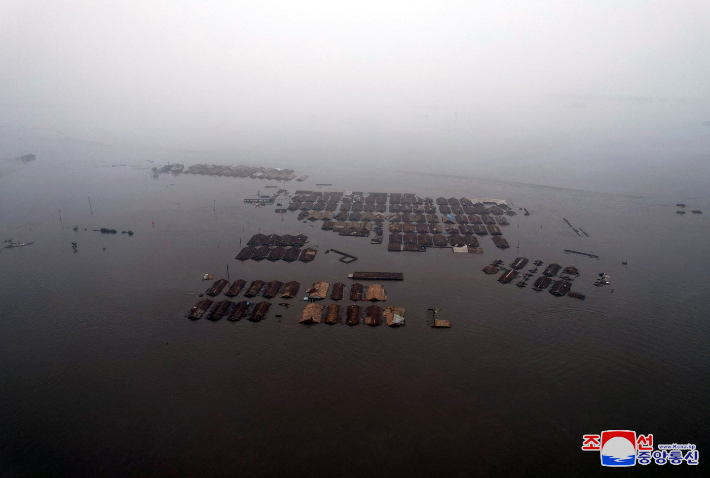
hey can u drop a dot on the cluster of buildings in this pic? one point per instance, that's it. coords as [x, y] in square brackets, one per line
[254, 172]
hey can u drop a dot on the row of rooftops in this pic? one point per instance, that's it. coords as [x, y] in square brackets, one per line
[341, 216]
[559, 287]
[344, 220]
[450, 228]
[437, 240]
[273, 254]
[338, 226]
[276, 240]
[396, 208]
[372, 292]
[403, 218]
[550, 271]
[394, 198]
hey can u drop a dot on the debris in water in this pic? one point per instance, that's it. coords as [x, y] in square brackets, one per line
[11, 244]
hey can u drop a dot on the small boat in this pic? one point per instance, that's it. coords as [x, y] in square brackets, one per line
[697, 211]
[623, 263]
[680, 212]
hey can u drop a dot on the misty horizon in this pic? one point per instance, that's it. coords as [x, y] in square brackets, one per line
[600, 97]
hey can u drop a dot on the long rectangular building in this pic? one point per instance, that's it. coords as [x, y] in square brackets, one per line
[377, 276]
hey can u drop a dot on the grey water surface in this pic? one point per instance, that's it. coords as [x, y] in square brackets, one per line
[103, 374]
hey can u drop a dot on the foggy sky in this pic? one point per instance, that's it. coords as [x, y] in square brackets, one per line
[469, 84]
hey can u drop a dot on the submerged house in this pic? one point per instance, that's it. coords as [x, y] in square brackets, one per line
[356, 291]
[290, 290]
[272, 289]
[375, 292]
[508, 276]
[246, 253]
[239, 311]
[307, 255]
[236, 288]
[217, 287]
[394, 316]
[500, 242]
[254, 288]
[292, 254]
[332, 315]
[353, 315]
[261, 253]
[276, 254]
[260, 311]
[372, 316]
[312, 314]
[541, 283]
[319, 290]
[338, 289]
[560, 287]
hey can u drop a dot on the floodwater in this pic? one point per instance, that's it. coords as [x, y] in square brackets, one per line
[103, 375]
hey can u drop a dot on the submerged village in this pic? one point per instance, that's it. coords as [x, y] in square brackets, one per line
[404, 223]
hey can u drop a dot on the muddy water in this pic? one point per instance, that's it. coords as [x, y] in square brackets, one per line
[103, 375]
